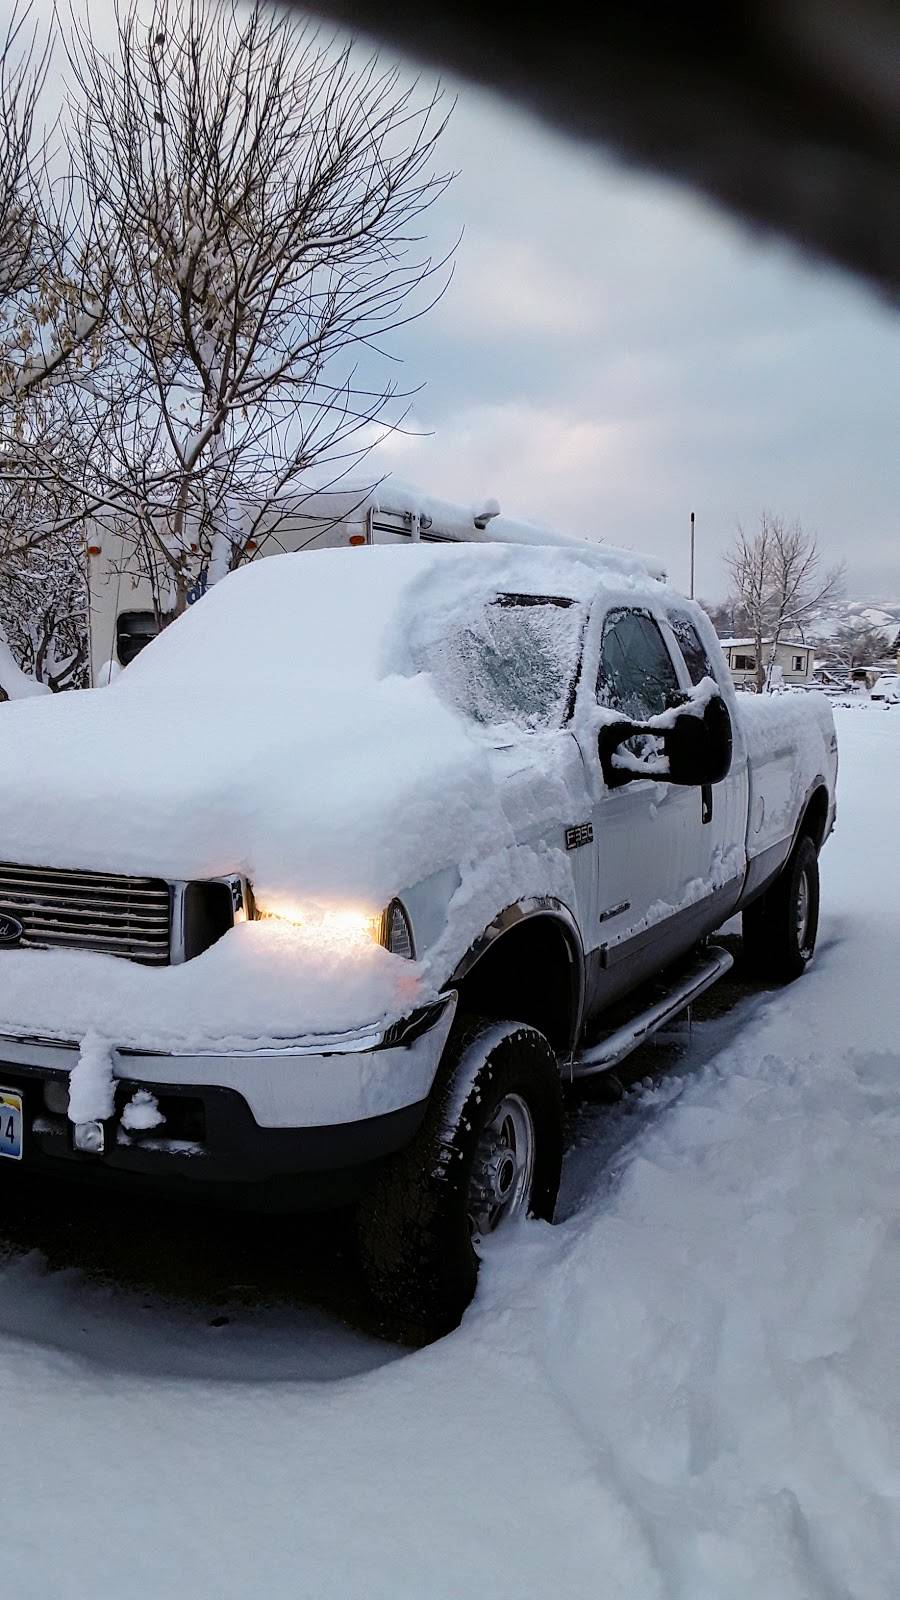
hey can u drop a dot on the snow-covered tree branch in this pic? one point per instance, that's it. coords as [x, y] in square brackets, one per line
[51, 295]
[858, 644]
[51, 316]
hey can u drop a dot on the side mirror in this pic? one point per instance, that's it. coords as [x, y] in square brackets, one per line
[686, 746]
[699, 748]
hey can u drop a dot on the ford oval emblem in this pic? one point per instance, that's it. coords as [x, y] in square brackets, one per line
[11, 930]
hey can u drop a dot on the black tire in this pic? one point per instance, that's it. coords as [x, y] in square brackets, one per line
[779, 941]
[415, 1231]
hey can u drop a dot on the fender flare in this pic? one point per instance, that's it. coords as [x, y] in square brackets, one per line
[819, 782]
[547, 907]
[759, 887]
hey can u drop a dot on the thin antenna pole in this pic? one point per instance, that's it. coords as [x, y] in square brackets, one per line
[692, 555]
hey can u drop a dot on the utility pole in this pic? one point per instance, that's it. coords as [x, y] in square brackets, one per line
[692, 555]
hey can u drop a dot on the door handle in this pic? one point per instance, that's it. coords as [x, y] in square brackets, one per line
[706, 802]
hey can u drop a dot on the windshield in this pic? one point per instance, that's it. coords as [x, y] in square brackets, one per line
[515, 661]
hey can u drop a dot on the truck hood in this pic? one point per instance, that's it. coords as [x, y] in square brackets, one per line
[350, 797]
[344, 811]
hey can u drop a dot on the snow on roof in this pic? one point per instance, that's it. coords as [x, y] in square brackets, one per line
[478, 522]
[739, 644]
[339, 612]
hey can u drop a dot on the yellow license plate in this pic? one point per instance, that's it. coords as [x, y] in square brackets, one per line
[11, 1121]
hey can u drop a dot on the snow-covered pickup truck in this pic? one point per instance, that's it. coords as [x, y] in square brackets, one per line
[395, 843]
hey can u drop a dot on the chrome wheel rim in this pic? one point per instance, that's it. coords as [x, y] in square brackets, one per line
[802, 911]
[503, 1169]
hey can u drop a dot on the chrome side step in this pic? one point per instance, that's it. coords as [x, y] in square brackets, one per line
[712, 965]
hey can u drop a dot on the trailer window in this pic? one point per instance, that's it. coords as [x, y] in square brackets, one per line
[134, 630]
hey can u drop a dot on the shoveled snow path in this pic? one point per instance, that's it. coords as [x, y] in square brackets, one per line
[689, 1389]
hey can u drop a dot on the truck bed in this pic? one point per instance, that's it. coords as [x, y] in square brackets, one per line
[791, 750]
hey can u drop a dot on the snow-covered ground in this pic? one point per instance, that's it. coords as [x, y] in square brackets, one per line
[687, 1390]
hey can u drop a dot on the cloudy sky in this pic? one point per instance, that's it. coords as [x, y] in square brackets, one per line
[613, 353]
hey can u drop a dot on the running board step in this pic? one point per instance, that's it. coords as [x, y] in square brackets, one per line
[712, 965]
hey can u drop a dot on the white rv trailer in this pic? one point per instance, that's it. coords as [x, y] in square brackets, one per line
[123, 617]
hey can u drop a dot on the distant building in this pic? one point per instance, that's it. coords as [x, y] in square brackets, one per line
[793, 663]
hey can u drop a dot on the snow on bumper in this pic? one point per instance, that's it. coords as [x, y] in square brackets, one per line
[306, 1083]
[315, 1083]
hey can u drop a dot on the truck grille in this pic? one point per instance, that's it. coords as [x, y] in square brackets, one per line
[89, 911]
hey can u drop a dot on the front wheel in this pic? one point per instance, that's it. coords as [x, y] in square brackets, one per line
[780, 927]
[489, 1150]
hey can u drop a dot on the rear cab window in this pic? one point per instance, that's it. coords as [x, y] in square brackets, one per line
[692, 648]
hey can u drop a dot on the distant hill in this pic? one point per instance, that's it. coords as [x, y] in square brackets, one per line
[882, 614]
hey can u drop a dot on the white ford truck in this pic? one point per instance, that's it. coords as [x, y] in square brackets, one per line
[367, 857]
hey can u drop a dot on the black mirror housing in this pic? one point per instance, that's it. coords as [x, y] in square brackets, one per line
[700, 748]
[696, 747]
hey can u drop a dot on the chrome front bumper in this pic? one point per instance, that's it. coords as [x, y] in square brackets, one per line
[314, 1082]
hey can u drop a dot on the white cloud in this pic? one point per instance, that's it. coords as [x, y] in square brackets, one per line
[634, 355]
[544, 465]
[503, 287]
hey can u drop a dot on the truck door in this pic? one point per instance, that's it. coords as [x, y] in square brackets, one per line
[646, 833]
[720, 843]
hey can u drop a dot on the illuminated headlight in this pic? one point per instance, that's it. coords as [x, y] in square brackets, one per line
[396, 932]
[346, 927]
[340, 926]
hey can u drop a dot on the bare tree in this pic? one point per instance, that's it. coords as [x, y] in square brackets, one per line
[779, 583]
[51, 318]
[43, 570]
[258, 196]
[726, 617]
[43, 608]
[51, 296]
[857, 644]
[23, 234]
